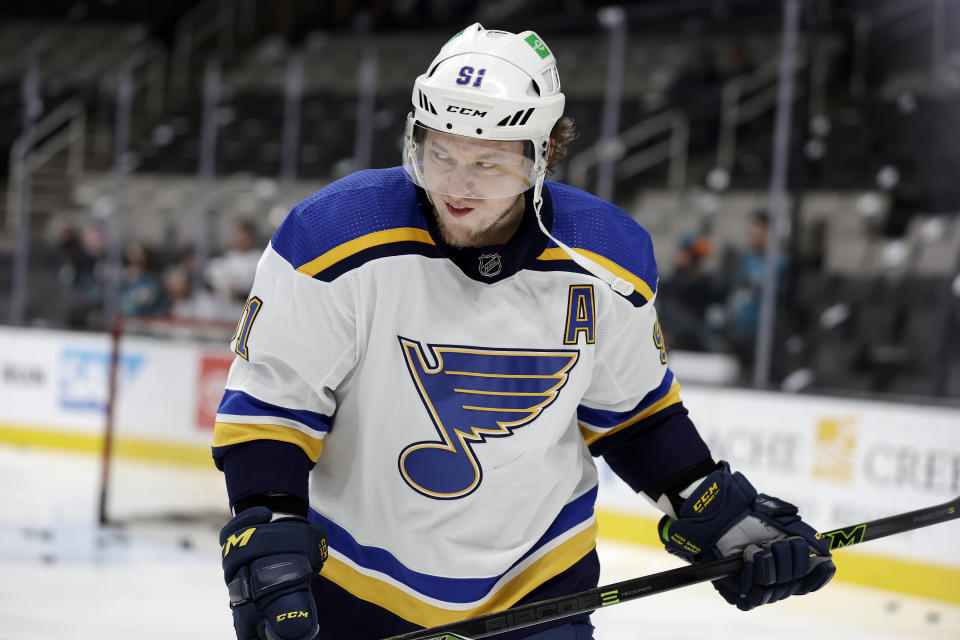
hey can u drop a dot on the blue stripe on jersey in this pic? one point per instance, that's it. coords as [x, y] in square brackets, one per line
[346, 616]
[380, 251]
[460, 590]
[608, 419]
[238, 403]
[362, 203]
[584, 221]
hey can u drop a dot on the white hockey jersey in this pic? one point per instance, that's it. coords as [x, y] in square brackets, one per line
[448, 397]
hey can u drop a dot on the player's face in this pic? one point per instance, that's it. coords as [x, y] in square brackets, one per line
[472, 168]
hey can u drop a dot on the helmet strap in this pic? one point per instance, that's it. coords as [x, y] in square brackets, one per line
[616, 283]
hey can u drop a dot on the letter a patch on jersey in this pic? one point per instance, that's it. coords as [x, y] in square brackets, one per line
[581, 312]
[473, 394]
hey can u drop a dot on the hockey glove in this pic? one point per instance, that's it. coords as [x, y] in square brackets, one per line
[724, 516]
[268, 567]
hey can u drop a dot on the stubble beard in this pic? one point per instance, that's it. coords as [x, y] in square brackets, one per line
[480, 237]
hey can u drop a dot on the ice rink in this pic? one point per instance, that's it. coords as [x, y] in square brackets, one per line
[62, 578]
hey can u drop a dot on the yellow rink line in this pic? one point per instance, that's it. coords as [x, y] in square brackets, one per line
[904, 576]
[137, 448]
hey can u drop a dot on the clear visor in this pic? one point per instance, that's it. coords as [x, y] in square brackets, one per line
[464, 167]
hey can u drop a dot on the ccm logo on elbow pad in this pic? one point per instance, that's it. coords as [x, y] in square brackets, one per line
[292, 614]
[706, 498]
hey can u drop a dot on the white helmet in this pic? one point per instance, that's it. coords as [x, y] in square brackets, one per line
[491, 86]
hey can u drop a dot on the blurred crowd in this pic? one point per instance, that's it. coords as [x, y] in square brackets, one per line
[700, 311]
[704, 312]
[154, 281]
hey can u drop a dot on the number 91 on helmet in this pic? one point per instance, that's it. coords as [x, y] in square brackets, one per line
[482, 115]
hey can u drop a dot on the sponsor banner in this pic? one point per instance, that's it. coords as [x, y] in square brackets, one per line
[841, 461]
[83, 374]
[27, 376]
[156, 398]
[56, 378]
[58, 381]
[211, 380]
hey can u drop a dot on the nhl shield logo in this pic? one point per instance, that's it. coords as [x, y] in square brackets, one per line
[490, 264]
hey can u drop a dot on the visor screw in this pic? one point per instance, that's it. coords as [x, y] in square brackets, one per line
[479, 132]
[449, 126]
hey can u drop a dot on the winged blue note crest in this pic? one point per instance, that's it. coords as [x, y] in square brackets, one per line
[473, 394]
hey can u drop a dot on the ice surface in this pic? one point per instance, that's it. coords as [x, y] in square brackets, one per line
[62, 578]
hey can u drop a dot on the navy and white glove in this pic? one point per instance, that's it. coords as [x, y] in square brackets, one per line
[268, 566]
[724, 515]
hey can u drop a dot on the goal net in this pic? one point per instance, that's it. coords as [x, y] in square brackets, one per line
[166, 377]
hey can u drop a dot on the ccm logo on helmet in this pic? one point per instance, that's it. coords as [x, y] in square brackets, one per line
[467, 111]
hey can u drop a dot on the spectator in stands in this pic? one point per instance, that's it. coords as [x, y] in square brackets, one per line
[184, 302]
[746, 290]
[82, 275]
[231, 275]
[67, 253]
[688, 296]
[141, 292]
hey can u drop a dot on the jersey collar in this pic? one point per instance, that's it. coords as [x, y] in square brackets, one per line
[494, 263]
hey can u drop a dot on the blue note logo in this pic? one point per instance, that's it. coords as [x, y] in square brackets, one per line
[473, 394]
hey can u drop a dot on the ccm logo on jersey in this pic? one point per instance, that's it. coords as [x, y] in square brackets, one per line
[473, 394]
[237, 541]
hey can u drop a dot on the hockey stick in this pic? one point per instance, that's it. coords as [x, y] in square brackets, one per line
[577, 603]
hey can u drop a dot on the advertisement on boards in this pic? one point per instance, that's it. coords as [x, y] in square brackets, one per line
[842, 461]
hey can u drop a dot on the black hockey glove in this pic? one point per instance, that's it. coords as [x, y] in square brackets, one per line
[268, 567]
[725, 515]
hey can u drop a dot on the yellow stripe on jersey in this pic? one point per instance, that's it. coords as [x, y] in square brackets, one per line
[410, 608]
[641, 287]
[377, 238]
[228, 433]
[671, 397]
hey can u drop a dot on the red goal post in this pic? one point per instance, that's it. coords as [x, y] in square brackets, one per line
[166, 377]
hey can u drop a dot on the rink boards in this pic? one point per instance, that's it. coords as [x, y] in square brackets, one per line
[841, 460]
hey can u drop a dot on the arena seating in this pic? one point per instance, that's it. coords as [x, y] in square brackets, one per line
[878, 238]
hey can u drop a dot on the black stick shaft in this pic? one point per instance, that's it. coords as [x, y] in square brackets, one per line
[585, 601]
[891, 525]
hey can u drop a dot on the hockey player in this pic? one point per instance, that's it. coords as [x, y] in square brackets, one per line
[442, 349]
